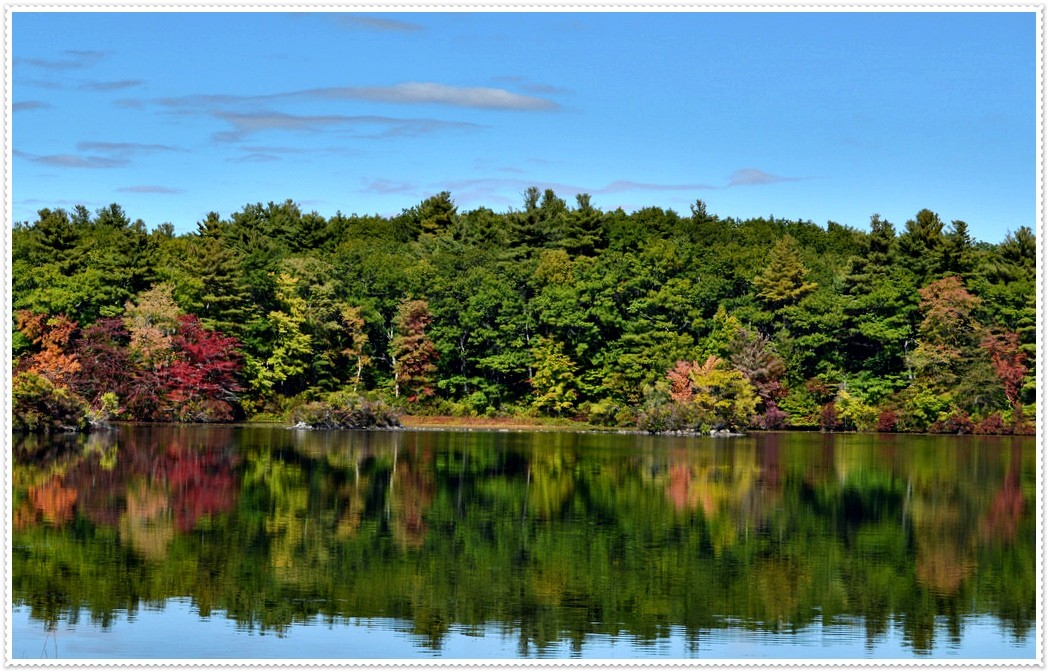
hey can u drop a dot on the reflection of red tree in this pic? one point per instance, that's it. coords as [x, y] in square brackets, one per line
[199, 484]
[771, 467]
[1001, 521]
[412, 492]
[199, 480]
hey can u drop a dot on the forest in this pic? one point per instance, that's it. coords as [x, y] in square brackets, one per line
[651, 320]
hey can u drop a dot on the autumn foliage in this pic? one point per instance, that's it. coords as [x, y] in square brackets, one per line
[73, 374]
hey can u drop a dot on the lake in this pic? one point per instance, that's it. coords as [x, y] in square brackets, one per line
[259, 542]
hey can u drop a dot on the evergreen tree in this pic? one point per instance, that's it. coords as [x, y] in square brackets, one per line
[783, 281]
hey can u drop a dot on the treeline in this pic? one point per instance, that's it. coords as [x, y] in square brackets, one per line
[650, 318]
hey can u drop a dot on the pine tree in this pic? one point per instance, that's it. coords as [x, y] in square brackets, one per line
[783, 280]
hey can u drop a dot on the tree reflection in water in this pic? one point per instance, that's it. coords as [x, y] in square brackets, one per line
[551, 536]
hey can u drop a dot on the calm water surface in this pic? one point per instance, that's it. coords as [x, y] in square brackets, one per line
[260, 542]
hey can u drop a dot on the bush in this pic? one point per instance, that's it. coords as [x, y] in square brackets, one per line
[854, 413]
[991, 425]
[956, 422]
[888, 421]
[772, 418]
[921, 408]
[345, 411]
[801, 409]
[40, 406]
[665, 417]
[604, 412]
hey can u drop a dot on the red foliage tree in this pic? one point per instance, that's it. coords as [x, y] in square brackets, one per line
[105, 365]
[888, 421]
[201, 382]
[1009, 362]
[413, 352]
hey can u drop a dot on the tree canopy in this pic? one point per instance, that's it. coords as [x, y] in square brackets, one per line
[553, 308]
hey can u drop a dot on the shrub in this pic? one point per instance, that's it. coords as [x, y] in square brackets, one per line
[1021, 426]
[991, 425]
[345, 411]
[604, 412]
[664, 417]
[801, 408]
[853, 413]
[772, 417]
[956, 422]
[888, 421]
[40, 406]
[921, 407]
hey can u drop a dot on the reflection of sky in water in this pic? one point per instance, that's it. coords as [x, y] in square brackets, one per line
[177, 632]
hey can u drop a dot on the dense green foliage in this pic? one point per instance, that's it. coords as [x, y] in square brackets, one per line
[549, 309]
[548, 536]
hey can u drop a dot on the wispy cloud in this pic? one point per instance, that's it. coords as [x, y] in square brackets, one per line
[245, 124]
[149, 188]
[408, 93]
[88, 161]
[497, 189]
[414, 93]
[254, 157]
[96, 155]
[73, 59]
[363, 22]
[124, 148]
[622, 185]
[112, 86]
[525, 84]
[384, 186]
[49, 84]
[27, 105]
[755, 176]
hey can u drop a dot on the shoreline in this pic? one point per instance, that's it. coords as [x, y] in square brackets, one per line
[492, 423]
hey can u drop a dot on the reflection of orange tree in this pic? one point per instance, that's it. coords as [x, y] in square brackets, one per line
[53, 501]
[146, 523]
[944, 518]
[734, 485]
[37, 480]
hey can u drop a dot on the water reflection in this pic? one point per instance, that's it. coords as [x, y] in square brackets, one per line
[555, 539]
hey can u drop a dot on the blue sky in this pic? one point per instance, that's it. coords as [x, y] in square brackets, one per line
[802, 115]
